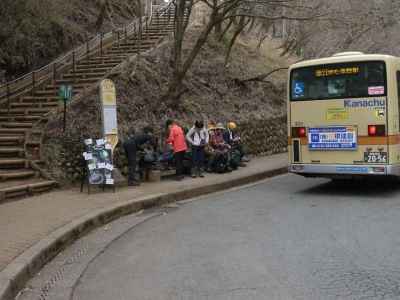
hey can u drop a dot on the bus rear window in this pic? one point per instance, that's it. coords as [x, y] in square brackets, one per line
[338, 81]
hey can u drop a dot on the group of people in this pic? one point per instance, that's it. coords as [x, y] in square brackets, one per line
[213, 149]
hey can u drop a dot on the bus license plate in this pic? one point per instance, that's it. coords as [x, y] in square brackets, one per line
[375, 157]
[332, 138]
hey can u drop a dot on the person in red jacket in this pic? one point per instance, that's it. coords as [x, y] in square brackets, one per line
[177, 140]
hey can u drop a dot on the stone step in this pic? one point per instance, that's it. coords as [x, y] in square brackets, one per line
[100, 63]
[15, 174]
[160, 28]
[12, 140]
[22, 111]
[12, 132]
[56, 87]
[45, 93]
[127, 51]
[11, 118]
[129, 47]
[121, 56]
[28, 187]
[152, 34]
[132, 46]
[38, 99]
[26, 125]
[52, 92]
[12, 151]
[83, 75]
[7, 163]
[83, 81]
[103, 60]
[127, 43]
[150, 39]
[92, 69]
[35, 104]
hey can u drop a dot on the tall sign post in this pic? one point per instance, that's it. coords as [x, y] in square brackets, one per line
[65, 95]
[109, 112]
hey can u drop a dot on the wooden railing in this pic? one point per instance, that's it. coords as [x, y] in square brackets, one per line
[96, 45]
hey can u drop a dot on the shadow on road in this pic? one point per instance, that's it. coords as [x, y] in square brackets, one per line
[370, 188]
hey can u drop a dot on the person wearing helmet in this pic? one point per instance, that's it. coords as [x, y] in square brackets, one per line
[232, 137]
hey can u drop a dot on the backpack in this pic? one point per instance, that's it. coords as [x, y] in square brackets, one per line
[149, 156]
[235, 159]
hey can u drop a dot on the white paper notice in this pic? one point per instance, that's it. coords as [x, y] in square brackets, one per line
[88, 142]
[110, 119]
[109, 167]
[88, 156]
[101, 165]
[109, 181]
[100, 142]
[92, 166]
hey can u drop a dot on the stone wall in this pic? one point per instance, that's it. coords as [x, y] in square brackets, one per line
[63, 154]
[264, 137]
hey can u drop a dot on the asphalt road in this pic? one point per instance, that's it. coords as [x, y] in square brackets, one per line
[285, 238]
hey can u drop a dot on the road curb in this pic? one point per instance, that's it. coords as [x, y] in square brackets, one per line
[14, 277]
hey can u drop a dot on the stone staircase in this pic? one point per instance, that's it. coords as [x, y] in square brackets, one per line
[21, 172]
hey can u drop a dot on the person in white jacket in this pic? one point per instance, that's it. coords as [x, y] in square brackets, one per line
[198, 138]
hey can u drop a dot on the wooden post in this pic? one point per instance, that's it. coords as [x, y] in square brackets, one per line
[146, 29]
[126, 33]
[87, 50]
[54, 77]
[101, 44]
[33, 82]
[73, 64]
[73, 61]
[139, 40]
[8, 98]
[54, 72]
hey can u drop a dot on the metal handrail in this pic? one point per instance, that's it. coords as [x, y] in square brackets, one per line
[30, 81]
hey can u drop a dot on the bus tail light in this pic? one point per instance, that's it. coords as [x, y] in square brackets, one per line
[299, 132]
[376, 130]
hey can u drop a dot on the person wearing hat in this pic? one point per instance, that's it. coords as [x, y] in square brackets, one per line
[219, 150]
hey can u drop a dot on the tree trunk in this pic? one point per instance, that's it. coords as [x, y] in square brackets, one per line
[242, 24]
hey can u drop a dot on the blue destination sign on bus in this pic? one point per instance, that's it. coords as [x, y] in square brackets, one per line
[332, 138]
[375, 103]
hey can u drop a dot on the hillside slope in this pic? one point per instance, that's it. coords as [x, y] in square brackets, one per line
[213, 91]
[34, 32]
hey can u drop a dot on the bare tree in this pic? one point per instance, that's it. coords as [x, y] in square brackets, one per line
[237, 13]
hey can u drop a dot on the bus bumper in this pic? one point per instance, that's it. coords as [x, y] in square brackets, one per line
[322, 170]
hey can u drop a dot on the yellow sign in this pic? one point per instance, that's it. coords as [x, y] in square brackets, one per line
[109, 111]
[336, 114]
[337, 71]
[379, 114]
[107, 92]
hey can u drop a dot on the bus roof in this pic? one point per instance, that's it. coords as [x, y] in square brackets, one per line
[344, 57]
